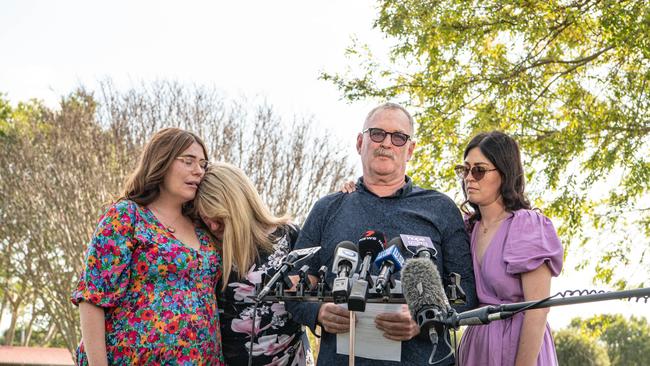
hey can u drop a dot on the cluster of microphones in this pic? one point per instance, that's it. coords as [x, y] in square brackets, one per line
[353, 286]
[422, 287]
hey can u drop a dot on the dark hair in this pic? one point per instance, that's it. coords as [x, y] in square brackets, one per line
[143, 184]
[503, 152]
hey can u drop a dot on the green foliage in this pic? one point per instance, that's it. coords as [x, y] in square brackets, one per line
[55, 172]
[5, 114]
[569, 79]
[627, 340]
[578, 349]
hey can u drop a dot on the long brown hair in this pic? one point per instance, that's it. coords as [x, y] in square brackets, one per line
[228, 195]
[143, 184]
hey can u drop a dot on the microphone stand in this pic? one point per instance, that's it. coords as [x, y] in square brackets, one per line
[487, 314]
[437, 317]
[353, 321]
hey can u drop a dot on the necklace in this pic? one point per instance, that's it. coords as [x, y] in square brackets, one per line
[159, 217]
[486, 227]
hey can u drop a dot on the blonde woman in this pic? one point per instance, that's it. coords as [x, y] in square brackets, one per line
[254, 242]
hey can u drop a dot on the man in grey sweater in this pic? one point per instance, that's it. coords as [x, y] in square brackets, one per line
[386, 200]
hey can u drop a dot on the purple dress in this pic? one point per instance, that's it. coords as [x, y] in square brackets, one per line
[522, 243]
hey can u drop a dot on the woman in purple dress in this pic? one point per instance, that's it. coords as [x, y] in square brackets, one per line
[515, 251]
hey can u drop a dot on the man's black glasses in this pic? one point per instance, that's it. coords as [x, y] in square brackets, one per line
[379, 135]
[478, 172]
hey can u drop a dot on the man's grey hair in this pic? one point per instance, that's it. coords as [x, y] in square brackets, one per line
[390, 106]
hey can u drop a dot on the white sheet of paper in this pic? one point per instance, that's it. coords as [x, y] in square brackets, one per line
[369, 341]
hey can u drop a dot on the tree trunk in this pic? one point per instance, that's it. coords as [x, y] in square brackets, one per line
[11, 332]
[4, 305]
[30, 325]
[50, 334]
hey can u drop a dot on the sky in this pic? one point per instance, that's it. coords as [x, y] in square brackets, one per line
[271, 50]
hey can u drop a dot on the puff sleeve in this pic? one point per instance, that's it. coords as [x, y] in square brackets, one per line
[105, 276]
[531, 242]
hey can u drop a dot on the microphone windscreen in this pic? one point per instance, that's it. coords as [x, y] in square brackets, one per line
[372, 242]
[422, 286]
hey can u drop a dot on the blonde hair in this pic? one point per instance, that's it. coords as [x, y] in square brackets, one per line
[143, 184]
[228, 195]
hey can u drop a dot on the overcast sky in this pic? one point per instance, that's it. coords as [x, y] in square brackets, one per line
[273, 50]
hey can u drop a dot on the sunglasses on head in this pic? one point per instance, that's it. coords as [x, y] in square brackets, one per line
[478, 172]
[378, 135]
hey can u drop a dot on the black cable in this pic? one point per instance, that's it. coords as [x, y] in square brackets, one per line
[569, 293]
[535, 304]
[250, 350]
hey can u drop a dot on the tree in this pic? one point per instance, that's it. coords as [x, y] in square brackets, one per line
[59, 168]
[569, 79]
[290, 165]
[627, 340]
[577, 349]
[58, 171]
[18, 295]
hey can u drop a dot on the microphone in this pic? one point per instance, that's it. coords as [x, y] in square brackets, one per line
[482, 315]
[420, 246]
[292, 259]
[346, 259]
[425, 296]
[390, 261]
[371, 243]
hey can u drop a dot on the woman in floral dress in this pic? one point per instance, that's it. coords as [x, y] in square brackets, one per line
[256, 241]
[146, 293]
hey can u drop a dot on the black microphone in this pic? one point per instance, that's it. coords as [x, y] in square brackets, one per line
[420, 246]
[292, 259]
[390, 261]
[371, 243]
[425, 296]
[346, 259]
[482, 315]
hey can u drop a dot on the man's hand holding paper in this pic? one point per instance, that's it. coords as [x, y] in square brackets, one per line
[398, 326]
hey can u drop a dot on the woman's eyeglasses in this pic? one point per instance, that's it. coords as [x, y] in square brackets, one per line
[378, 135]
[478, 172]
[189, 161]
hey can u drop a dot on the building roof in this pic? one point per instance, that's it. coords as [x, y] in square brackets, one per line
[41, 356]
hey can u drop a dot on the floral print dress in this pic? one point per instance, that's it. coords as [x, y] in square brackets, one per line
[279, 340]
[158, 294]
